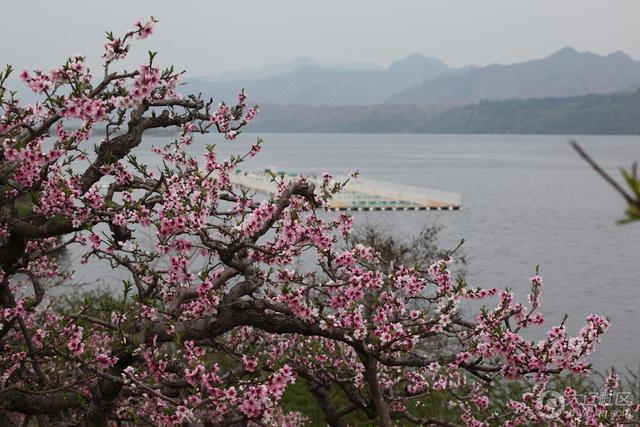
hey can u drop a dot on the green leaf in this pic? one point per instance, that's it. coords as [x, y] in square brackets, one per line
[23, 205]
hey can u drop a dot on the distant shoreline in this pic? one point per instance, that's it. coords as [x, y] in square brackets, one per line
[258, 132]
[596, 114]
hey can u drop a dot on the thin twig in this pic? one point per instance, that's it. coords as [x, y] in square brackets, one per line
[602, 173]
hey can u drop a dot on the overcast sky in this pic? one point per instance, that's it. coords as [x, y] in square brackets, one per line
[208, 37]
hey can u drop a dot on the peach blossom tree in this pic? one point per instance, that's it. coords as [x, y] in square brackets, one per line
[215, 321]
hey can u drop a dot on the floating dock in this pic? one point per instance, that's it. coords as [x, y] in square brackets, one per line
[361, 194]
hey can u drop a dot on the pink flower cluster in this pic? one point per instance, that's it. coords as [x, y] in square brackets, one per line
[258, 218]
[75, 344]
[144, 30]
[30, 160]
[147, 80]
[38, 83]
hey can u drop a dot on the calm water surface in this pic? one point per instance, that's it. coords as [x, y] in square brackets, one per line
[527, 200]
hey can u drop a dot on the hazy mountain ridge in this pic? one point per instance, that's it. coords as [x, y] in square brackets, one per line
[284, 68]
[312, 85]
[564, 73]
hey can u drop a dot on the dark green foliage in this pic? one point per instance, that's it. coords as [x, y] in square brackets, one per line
[589, 114]
[418, 251]
[632, 180]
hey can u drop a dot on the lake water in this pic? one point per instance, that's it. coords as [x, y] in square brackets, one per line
[527, 200]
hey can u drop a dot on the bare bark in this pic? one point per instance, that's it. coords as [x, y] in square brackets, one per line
[39, 404]
[377, 396]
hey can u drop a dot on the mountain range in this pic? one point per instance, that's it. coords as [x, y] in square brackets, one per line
[320, 85]
[420, 80]
[564, 73]
[567, 92]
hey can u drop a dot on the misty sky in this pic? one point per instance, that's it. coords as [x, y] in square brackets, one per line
[208, 37]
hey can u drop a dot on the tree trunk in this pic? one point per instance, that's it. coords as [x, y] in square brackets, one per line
[377, 397]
